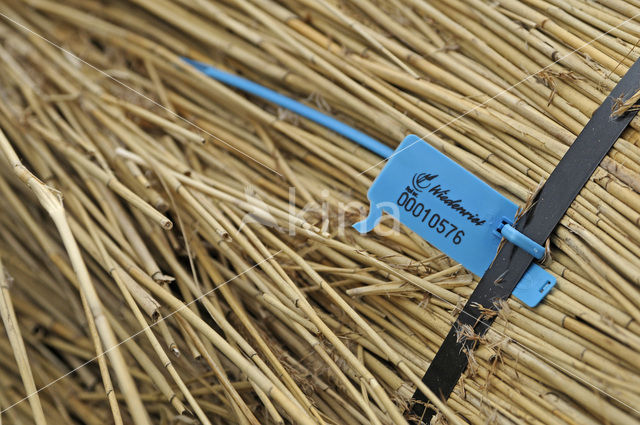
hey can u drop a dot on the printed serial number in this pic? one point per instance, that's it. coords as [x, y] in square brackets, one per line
[439, 224]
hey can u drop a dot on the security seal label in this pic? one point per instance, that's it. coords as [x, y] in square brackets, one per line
[447, 206]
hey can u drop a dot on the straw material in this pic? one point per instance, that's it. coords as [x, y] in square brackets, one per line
[174, 251]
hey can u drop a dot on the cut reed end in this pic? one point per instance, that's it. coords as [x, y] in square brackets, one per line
[174, 350]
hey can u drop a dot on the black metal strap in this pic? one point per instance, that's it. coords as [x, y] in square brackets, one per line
[552, 202]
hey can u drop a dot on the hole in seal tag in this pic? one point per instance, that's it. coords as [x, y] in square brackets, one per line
[453, 210]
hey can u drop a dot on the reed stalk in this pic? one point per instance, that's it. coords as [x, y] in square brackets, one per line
[218, 226]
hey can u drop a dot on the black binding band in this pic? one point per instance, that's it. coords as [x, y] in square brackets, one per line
[560, 190]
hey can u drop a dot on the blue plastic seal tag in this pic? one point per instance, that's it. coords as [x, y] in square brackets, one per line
[534, 285]
[443, 203]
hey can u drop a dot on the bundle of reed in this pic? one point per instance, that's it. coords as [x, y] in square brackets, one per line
[174, 251]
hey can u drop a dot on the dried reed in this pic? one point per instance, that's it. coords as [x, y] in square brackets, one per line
[176, 259]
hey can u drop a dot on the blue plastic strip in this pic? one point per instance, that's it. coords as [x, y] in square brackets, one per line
[331, 123]
[479, 246]
[518, 239]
